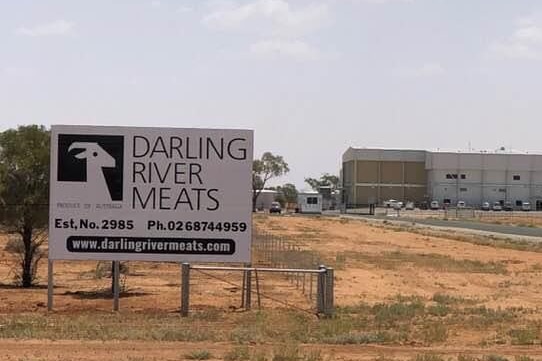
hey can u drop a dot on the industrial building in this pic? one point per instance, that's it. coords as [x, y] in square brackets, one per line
[372, 176]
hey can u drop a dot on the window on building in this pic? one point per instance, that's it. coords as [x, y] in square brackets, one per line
[502, 190]
[519, 203]
[463, 176]
[312, 200]
[448, 176]
[516, 177]
[462, 189]
[451, 176]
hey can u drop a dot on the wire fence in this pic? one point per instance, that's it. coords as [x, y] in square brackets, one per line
[270, 250]
[519, 218]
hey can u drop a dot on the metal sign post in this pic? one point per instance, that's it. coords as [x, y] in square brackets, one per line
[185, 290]
[50, 285]
[116, 285]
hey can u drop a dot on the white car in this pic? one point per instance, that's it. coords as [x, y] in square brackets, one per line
[434, 205]
[398, 205]
[389, 203]
[526, 206]
[409, 206]
[461, 204]
[497, 207]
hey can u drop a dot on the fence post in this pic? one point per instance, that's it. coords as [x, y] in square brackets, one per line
[243, 289]
[50, 285]
[320, 290]
[330, 284]
[185, 290]
[116, 285]
[248, 292]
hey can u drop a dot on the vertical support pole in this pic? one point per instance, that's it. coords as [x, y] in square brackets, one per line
[50, 285]
[329, 303]
[243, 289]
[248, 291]
[258, 289]
[185, 291]
[320, 290]
[116, 285]
[311, 281]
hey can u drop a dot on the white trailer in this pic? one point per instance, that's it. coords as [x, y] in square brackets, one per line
[309, 202]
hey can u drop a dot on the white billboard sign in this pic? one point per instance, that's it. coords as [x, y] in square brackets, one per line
[150, 194]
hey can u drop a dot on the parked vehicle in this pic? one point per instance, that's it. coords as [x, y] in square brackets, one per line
[390, 203]
[485, 206]
[461, 204]
[275, 208]
[526, 206]
[508, 206]
[397, 205]
[409, 206]
[434, 205]
[497, 207]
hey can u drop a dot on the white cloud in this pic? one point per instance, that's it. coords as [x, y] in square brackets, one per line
[184, 9]
[59, 27]
[18, 72]
[276, 17]
[280, 26]
[425, 70]
[524, 43]
[297, 49]
[381, 1]
[156, 3]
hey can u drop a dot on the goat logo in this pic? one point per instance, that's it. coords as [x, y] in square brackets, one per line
[96, 160]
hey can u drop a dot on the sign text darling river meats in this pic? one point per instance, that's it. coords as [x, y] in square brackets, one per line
[123, 193]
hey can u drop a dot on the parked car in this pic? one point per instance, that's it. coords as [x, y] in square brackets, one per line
[497, 206]
[485, 206]
[461, 204]
[275, 208]
[390, 203]
[434, 205]
[526, 206]
[409, 206]
[397, 205]
[508, 206]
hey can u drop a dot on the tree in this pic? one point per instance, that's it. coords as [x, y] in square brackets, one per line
[289, 192]
[267, 167]
[326, 179]
[24, 194]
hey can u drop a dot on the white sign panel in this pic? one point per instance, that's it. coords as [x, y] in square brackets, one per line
[152, 194]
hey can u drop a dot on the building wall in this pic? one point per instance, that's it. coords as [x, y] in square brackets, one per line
[381, 174]
[484, 177]
[376, 175]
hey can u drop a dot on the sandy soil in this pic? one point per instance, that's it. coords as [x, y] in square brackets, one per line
[170, 351]
[359, 281]
[353, 247]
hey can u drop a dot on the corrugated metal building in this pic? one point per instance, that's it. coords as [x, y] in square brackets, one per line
[376, 175]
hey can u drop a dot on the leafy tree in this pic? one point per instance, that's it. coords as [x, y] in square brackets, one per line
[326, 179]
[267, 167]
[289, 192]
[24, 193]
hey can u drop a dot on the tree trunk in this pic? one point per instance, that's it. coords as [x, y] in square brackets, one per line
[254, 198]
[27, 277]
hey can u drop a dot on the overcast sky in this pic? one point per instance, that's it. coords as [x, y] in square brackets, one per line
[310, 77]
